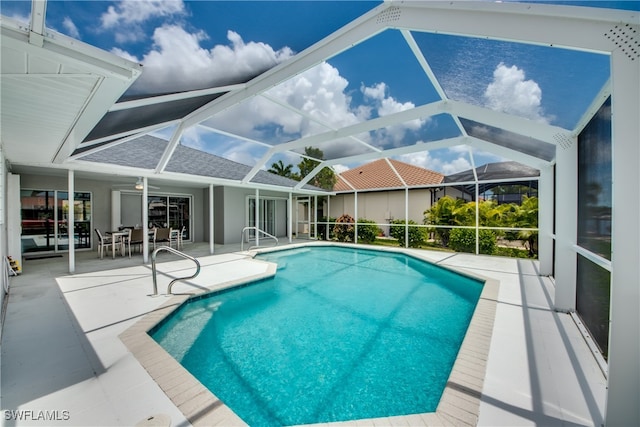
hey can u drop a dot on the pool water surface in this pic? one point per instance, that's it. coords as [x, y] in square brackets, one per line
[338, 334]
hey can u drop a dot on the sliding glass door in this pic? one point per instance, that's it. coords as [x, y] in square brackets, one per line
[170, 211]
[45, 219]
[266, 216]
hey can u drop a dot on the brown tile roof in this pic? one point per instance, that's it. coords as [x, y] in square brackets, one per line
[379, 174]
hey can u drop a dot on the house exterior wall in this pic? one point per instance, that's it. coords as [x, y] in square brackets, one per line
[451, 192]
[234, 212]
[101, 200]
[383, 206]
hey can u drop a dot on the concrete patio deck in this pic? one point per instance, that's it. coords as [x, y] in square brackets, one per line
[61, 351]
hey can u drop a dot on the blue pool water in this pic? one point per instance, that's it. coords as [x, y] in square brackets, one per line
[338, 334]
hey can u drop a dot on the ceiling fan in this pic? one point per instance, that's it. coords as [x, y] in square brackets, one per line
[139, 185]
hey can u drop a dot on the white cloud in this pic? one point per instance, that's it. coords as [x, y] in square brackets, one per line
[456, 165]
[320, 92]
[424, 159]
[128, 16]
[131, 12]
[386, 105]
[70, 27]
[511, 93]
[123, 54]
[179, 62]
[340, 168]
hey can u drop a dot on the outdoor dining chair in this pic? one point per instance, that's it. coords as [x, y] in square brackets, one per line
[103, 243]
[162, 236]
[135, 238]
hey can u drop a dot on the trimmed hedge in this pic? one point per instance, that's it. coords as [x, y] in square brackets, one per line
[464, 240]
[367, 231]
[417, 235]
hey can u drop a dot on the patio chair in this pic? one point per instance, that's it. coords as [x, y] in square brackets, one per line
[163, 235]
[134, 238]
[174, 237]
[103, 243]
[181, 237]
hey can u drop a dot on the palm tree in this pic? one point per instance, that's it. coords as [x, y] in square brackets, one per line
[280, 169]
[528, 217]
[448, 211]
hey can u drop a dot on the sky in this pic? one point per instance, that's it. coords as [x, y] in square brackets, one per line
[186, 45]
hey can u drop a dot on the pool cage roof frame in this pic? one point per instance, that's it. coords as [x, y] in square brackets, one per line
[535, 145]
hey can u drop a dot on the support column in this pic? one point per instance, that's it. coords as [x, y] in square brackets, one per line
[355, 229]
[211, 221]
[566, 226]
[315, 217]
[406, 217]
[622, 407]
[309, 217]
[327, 216]
[290, 218]
[115, 209]
[257, 216]
[477, 218]
[71, 222]
[145, 220]
[545, 221]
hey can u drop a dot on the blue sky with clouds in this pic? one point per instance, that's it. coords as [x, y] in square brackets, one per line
[188, 45]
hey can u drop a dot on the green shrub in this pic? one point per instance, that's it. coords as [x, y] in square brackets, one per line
[367, 231]
[322, 228]
[417, 235]
[511, 252]
[344, 229]
[464, 240]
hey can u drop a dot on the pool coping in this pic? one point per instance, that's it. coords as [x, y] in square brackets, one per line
[459, 404]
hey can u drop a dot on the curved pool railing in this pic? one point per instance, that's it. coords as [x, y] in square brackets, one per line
[257, 230]
[154, 271]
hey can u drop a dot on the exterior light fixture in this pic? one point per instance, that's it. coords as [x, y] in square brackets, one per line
[139, 184]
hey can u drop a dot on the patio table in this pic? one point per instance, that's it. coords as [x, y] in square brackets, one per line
[114, 236]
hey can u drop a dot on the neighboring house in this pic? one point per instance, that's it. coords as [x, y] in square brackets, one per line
[380, 188]
[386, 190]
[503, 182]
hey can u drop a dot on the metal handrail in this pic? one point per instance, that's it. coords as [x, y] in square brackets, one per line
[257, 230]
[154, 271]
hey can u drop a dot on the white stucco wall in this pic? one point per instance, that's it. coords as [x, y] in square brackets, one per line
[381, 206]
[235, 213]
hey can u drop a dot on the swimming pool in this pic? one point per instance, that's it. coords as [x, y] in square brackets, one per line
[338, 334]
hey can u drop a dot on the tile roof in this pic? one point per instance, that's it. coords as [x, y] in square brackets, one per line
[145, 153]
[379, 175]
